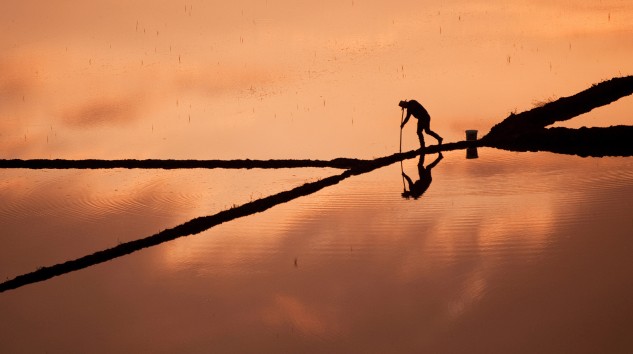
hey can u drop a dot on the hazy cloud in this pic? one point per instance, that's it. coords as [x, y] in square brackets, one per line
[102, 112]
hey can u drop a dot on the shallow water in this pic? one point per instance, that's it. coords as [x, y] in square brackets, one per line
[510, 252]
[516, 252]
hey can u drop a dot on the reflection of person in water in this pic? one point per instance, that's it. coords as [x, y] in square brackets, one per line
[414, 108]
[416, 189]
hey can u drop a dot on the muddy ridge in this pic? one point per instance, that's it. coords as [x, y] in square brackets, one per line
[198, 225]
[340, 163]
[521, 132]
[565, 108]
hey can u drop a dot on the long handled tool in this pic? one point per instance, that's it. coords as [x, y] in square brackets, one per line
[401, 120]
[402, 168]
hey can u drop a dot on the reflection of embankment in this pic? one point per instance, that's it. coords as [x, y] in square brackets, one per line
[198, 225]
[595, 142]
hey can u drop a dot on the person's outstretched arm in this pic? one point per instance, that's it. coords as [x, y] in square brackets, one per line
[408, 179]
[405, 119]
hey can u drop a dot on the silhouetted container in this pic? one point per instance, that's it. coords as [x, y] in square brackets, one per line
[471, 135]
[471, 153]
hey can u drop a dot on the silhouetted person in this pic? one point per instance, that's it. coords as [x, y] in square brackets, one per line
[416, 189]
[414, 108]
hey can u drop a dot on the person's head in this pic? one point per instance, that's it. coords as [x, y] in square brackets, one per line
[403, 104]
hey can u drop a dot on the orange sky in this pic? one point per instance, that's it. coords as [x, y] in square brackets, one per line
[285, 79]
[272, 79]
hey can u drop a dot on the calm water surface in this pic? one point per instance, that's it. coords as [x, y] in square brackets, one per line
[510, 252]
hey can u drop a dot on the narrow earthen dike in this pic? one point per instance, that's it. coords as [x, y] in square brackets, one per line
[520, 132]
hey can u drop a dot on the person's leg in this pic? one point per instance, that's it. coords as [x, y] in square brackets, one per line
[419, 131]
[434, 134]
[421, 169]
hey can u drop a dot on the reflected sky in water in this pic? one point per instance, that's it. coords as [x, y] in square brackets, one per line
[521, 251]
[510, 252]
[80, 212]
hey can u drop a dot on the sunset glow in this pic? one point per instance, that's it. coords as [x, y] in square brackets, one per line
[509, 252]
